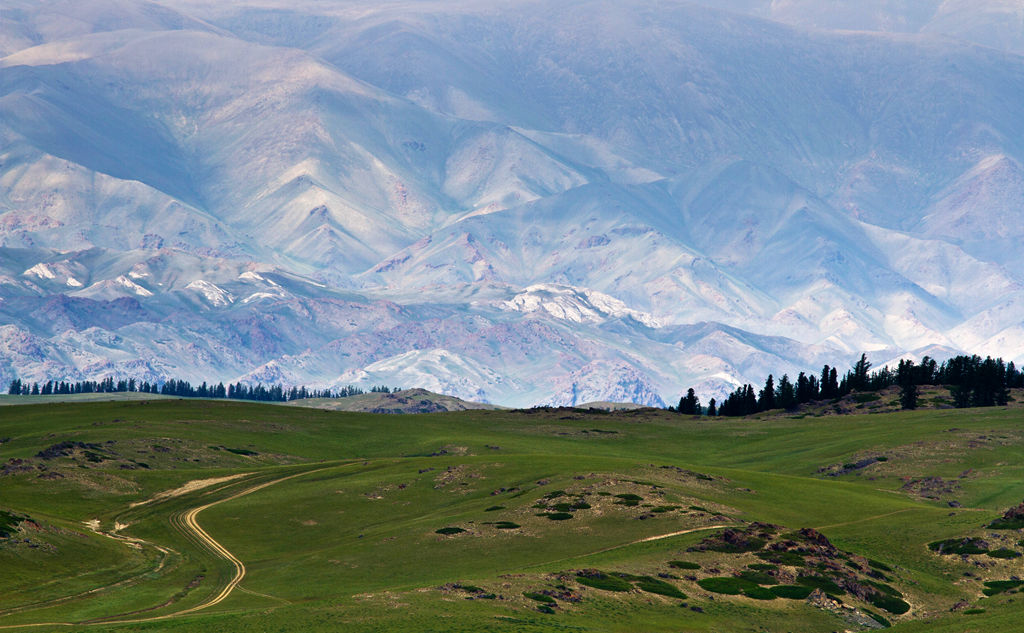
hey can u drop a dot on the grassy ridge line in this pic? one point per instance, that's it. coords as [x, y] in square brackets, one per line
[125, 396]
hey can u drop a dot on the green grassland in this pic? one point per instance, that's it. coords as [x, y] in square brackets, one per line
[566, 520]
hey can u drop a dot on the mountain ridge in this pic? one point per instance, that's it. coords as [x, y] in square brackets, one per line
[556, 190]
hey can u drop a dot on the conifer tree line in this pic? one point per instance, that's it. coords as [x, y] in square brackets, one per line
[184, 389]
[971, 380]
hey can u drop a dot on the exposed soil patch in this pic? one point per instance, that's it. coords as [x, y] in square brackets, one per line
[932, 487]
[457, 478]
[192, 486]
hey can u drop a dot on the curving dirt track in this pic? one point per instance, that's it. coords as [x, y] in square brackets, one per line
[186, 522]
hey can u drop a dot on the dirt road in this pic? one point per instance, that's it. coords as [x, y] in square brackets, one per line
[186, 522]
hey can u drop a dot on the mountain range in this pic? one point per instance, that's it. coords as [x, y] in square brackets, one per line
[518, 202]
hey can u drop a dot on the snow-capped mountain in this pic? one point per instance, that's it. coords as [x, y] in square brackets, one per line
[519, 201]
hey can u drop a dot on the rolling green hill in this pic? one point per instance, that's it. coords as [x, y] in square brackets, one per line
[199, 515]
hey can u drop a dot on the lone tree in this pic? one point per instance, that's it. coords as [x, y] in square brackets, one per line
[712, 408]
[690, 403]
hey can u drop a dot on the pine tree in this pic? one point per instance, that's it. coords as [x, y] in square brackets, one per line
[786, 393]
[906, 378]
[766, 399]
[859, 381]
[689, 404]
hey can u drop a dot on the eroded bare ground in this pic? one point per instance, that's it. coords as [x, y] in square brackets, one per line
[191, 486]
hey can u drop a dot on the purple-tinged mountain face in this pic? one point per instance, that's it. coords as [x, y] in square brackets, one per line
[517, 202]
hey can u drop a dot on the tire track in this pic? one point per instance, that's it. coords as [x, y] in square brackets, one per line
[190, 527]
[648, 539]
[187, 523]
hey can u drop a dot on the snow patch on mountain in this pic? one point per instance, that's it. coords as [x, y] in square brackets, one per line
[119, 286]
[576, 305]
[41, 271]
[215, 295]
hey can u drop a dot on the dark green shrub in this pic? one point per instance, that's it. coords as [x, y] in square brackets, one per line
[683, 564]
[820, 582]
[627, 502]
[628, 496]
[603, 581]
[724, 584]
[866, 397]
[892, 604]
[241, 451]
[558, 516]
[758, 577]
[1004, 553]
[763, 566]
[791, 592]
[580, 505]
[9, 523]
[450, 530]
[993, 587]
[562, 507]
[554, 494]
[494, 508]
[661, 509]
[759, 593]
[506, 525]
[539, 597]
[700, 509]
[973, 611]
[660, 587]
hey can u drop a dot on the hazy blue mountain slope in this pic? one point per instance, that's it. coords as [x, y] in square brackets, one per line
[517, 201]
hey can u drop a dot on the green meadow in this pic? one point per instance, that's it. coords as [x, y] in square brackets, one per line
[541, 520]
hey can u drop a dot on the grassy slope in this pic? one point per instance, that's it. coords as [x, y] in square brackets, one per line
[346, 545]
